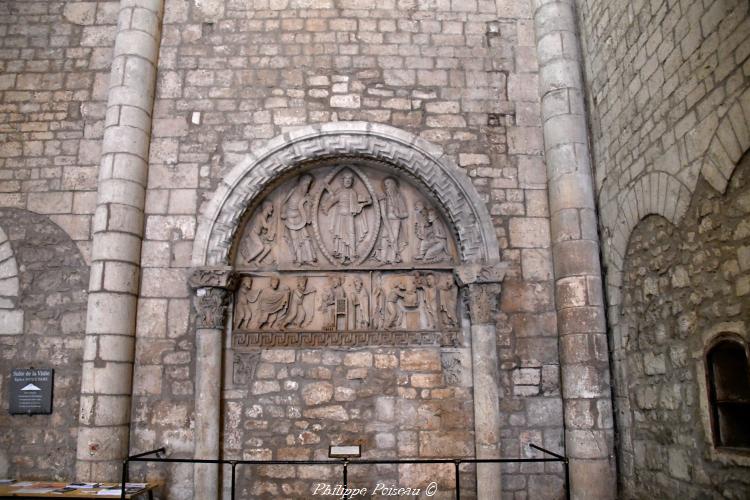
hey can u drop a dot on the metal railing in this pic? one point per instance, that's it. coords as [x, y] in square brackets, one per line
[345, 463]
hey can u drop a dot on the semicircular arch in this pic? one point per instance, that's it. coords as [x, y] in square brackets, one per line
[419, 159]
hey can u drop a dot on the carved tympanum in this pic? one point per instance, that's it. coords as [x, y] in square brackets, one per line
[347, 213]
[350, 250]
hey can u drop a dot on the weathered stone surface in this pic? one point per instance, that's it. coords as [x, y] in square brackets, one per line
[679, 282]
[41, 320]
[317, 393]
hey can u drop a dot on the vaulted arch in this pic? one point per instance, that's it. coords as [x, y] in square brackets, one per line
[424, 162]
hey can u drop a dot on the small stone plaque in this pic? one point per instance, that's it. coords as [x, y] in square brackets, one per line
[31, 391]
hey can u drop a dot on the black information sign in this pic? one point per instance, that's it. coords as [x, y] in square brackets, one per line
[31, 391]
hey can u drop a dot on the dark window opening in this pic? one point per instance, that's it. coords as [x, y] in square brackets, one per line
[729, 387]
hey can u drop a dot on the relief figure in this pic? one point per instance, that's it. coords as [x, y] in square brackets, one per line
[427, 301]
[378, 299]
[392, 212]
[334, 305]
[246, 298]
[360, 305]
[447, 295]
[394, 312]
[296, 214]
[244, 367]
[298, 314]
[432, 235]
[260, 238]
[348, 224]
[273, 303]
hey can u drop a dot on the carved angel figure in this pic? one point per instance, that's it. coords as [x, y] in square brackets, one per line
[432, 236]
[296, 214]
[297, 314]
[245, 300]
[273, 303]
[360, 305]
[260, 238]
[348, 225]
[392, 212]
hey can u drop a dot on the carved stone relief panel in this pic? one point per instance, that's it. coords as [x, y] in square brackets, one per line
[346, 213]
[346, 253]
[361, 301]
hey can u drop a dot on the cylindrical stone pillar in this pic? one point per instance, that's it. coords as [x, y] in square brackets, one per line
[584, 363]
[213, 288]
[483, 288]
[116, 253]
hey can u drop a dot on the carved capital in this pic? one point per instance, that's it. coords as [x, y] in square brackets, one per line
[214, 277]
[483, 285]
[483, 299]
[469, 274]
[211, 307]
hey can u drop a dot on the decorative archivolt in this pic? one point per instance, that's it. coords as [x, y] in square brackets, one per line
[424, 163]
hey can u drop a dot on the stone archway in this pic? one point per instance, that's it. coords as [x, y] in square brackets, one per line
[417, 158]
[477, 267]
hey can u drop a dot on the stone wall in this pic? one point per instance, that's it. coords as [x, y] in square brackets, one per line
[54, 71]
[233, 75]
[683, 286]
[51, 282]
[668, 93]
[54, 58]
[395, 403]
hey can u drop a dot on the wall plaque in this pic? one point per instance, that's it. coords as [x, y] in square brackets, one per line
[31, 391]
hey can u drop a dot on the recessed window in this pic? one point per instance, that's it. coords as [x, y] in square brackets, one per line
[729, 387]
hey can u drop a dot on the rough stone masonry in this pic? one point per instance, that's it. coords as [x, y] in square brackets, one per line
[144, 148]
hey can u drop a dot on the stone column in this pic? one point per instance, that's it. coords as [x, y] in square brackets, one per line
[587, 402]
[482, 284]
[213, 289]
[116, 252]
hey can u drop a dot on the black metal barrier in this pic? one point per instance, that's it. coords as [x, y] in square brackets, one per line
[346, 463]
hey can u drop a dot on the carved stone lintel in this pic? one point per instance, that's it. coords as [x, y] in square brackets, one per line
[211, 307]
[218, 277]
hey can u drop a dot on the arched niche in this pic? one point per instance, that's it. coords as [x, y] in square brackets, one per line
[245, 209]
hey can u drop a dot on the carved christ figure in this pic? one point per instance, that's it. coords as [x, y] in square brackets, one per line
[297, 314]
[262, 234]
[296, 214]
[348, 225]
[392, 212]
[273, 303]
[245, 300]
[360, 301]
